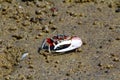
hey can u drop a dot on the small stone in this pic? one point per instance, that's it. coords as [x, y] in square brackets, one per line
[12, 28]
[79, 50]
[81, 14]
[1, 41]
[30, 77]
[112, 54]
[31, 66]
[55, 14]
[0, 6]
[7, 77]
[29, 3]
[40, 34]
[38, 4]
[37, 37]
[79, 23]
[99, 9]
[67, 74]
[95, 23]
[53, 27]
[24, 55]
[111, 28]
[109, 66]
[68, 1]
[110, 5]
[61, 19]
[117, 38]
[26, 23]
[53, 9]
[116, 59]
[51, 21]
[18, 37]
[45, 29]
[21, 77]
[100, 64]
[73, 14]
[34, 20]
[57, 62]
[117, 10]
[30, 63]
[38, 12]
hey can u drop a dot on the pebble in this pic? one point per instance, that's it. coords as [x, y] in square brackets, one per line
[21, 77]
[2, 49]
[40, 34]
[53, 27]
[0, 6]
[57, 62]
[37, 37]
[74, 14]
[108, 66]
[24, 55]
[116, 59]
[51, 21]
[100, 64]
[34, 20]
[79, 23]
[117, 10]
[117, 39]
[40, 4]
[1, 41]
[30, 77]
[45, 29]
[18, 37]
[95, 22]
[53, 9]
[38, 12]
[9, 1]
[13, 28]
[79, 50]
[55, 14]
[4, 9]
[26, 23]
[68, 1]
[31, 66]
[8, 77]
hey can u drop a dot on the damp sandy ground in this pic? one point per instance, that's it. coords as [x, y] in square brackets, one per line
[25, 23]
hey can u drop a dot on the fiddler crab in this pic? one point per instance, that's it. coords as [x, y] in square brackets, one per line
[61, 43]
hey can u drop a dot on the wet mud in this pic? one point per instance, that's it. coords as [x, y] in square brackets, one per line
[25, 23]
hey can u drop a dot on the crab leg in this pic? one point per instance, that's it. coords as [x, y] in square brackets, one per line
[44, 41]
[49, 49]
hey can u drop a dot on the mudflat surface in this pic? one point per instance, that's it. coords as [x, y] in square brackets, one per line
[25, 23]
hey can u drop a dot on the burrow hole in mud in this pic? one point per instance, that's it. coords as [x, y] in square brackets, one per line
[17, 37]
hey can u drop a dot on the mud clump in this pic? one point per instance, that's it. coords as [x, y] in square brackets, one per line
[9, 58]
[5, 65]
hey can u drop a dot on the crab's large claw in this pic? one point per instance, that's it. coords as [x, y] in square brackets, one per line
[76, 42]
